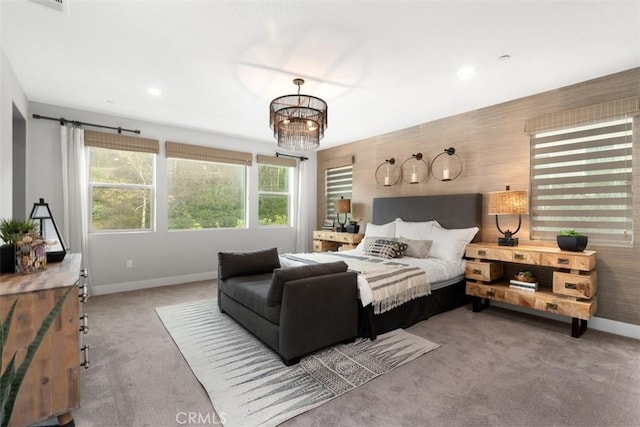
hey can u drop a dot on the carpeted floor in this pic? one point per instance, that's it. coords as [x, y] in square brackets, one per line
[497, 367]
[247, 382]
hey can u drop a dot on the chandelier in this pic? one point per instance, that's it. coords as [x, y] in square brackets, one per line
[298, 121]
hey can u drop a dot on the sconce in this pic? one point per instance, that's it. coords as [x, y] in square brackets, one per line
[414, 169]
[388, 173]
[49, 231]
[449, 165]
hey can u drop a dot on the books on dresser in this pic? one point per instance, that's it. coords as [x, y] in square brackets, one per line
[527, 286]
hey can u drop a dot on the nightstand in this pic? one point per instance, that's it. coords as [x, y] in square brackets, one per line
[326, 240]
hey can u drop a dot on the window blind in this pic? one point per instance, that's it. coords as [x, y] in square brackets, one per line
[208, 154]
[581, 178]
[339, 182]
[120, 142]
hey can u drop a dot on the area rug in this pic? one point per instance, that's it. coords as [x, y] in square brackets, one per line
[247, 382]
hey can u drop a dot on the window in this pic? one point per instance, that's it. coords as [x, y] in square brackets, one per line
[339, 183]
[206, 187]
[581, 178]
[121, 181]
[274, 194]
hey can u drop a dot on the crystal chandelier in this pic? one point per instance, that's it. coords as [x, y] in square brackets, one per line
[298, 121]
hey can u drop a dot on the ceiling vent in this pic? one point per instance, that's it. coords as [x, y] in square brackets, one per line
[59, 5]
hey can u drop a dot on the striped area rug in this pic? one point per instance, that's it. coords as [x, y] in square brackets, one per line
[247, 382]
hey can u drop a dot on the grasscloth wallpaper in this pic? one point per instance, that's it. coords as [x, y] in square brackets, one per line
[495, 150]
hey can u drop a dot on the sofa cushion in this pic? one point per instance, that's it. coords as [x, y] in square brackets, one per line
[245, 263]
[282, 275]
[251, 291]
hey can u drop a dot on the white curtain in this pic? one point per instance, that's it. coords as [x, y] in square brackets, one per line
[303, 231]
[75, 222]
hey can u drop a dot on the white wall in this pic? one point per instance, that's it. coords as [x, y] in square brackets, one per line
[10, 94]
[162, 257]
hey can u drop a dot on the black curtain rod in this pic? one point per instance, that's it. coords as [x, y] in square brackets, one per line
[301, 158]
[64, 121]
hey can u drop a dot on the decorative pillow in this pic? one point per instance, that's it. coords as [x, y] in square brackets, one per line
[416, 248]
[415, 230]
[367, 242]
[450, 244]
[232, 264]
[282, 275]
[384, 248]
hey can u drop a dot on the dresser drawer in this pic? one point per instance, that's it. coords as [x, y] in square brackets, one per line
[581, 262]
[485, 271]
[566, 306]
[496, 293]
[482, 252]
[526, 257]
[575, 285]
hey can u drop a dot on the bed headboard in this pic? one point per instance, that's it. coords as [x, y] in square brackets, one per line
[451, 211]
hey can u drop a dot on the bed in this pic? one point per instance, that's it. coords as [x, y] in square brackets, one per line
[458, 218]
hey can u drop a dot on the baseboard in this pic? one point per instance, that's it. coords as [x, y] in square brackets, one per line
[151, 283]
[597, 323]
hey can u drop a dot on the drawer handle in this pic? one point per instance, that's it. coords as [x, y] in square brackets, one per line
[563, 261]
[518, 256]
[491, 293]
[476, 271]
[84, 295]
[84, 272]
[85, 356]
[482, 253]
[84, 327]
[571, 286]
[552, 306]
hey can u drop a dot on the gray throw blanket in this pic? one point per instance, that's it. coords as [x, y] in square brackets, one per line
[392, 283]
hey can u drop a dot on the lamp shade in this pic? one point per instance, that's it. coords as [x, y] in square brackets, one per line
[342, 206]
[508, 202]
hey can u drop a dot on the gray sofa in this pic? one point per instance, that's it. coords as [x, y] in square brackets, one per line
[294, 310]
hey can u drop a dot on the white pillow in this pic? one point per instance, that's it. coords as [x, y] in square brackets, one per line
[379, 231]
[415, 230]
[450, 244]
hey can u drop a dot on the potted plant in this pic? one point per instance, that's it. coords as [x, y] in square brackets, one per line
[353, 227]
[571, 240]
[11, 230]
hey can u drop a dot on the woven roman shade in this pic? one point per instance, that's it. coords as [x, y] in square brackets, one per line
[120, 142]
[276, 161]
[596, 113]
[207, 154]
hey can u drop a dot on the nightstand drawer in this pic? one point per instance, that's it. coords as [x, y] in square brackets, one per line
[583, 262]
[526, 257]
[324, 246]
[483, 252]
[575, 285]
[496, 293]
[485, 271]
[566, 306]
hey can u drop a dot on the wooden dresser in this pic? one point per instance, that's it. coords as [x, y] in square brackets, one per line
[52, 384]
[572, 291]
[327, 240]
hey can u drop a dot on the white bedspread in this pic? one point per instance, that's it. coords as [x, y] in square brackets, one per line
[439, 272]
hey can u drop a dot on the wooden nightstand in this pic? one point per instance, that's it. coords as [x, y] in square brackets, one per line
[572, 293]
[324, 240]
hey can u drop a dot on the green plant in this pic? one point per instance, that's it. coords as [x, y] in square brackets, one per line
[570, 232]
[525, 274]
[11, 230]
[11, 378]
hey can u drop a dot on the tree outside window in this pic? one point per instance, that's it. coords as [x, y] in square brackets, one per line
[273, 194]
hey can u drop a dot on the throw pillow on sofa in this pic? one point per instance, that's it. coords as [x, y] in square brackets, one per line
[233, 264]
[282, 275]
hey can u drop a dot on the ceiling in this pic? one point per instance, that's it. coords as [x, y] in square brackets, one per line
[381, 66]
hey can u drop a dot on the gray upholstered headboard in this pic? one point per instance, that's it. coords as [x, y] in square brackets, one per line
[451, 211]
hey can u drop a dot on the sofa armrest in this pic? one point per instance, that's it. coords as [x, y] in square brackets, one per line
[317, 312]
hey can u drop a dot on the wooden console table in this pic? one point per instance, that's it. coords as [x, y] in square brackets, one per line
[572, 293]
[324, 240]
[52, 384]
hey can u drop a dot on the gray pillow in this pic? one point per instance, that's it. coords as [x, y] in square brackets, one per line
[232, 264]
[417, 248]
[287, 274]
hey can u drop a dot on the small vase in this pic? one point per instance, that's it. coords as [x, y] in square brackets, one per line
[7, 259]
[353, 228]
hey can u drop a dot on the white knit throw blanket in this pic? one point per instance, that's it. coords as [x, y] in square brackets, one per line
[392, 283]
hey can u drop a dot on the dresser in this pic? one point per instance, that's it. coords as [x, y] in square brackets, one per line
[52, 384]
[326, 240]
[571, 291]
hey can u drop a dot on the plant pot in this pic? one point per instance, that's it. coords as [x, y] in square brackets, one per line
[7, 259]
[353, 228]
[572, 243]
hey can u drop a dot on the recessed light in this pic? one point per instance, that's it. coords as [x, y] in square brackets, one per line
[154, 91]
[467, 73]
[504, 57]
